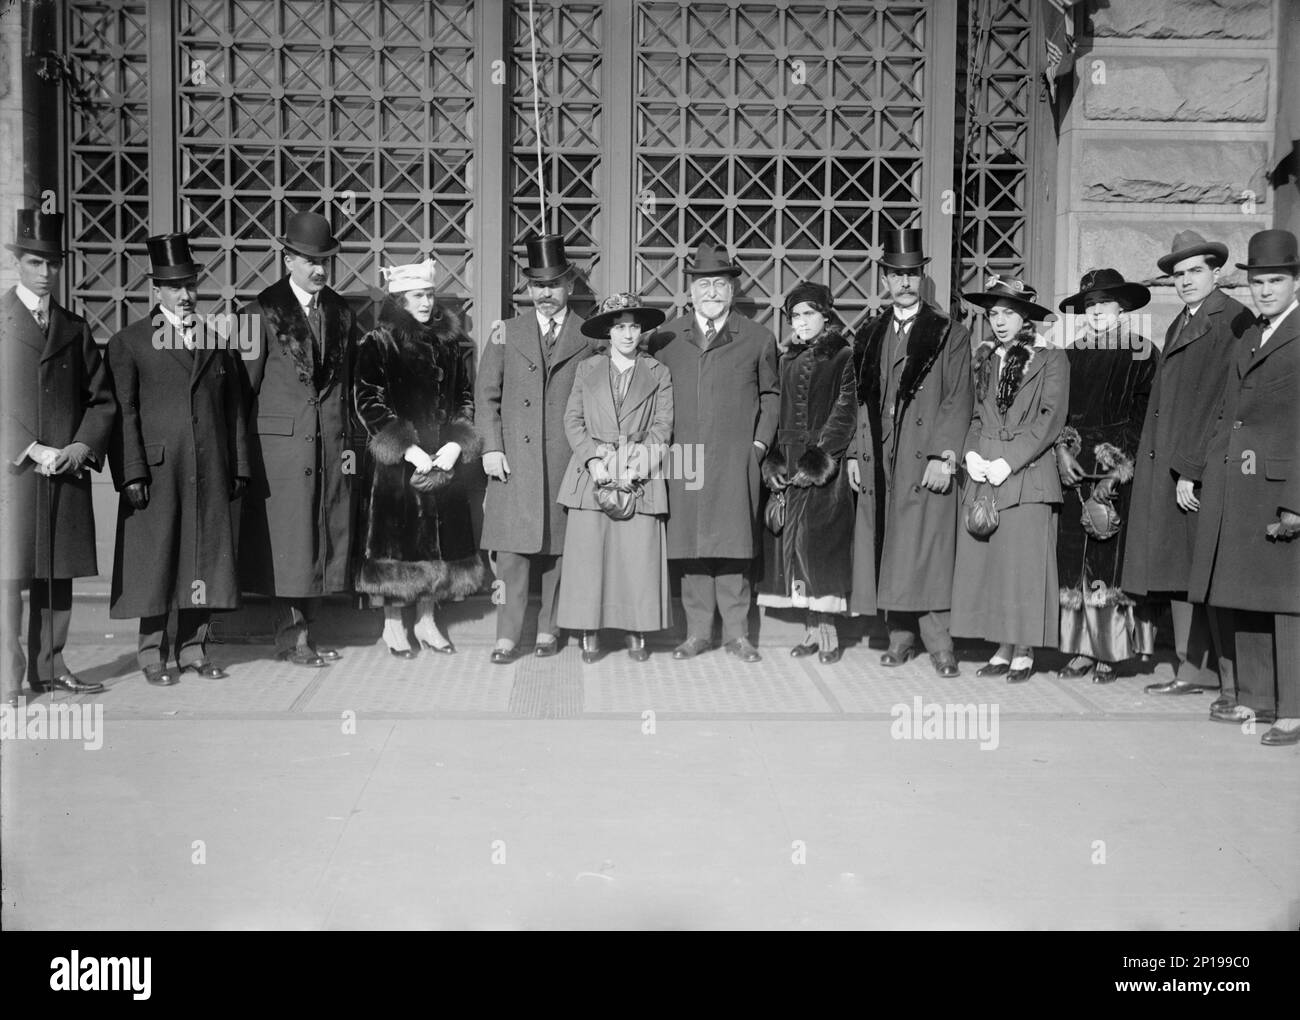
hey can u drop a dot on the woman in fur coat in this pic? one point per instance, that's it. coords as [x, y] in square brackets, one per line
[414, 392]
[807, 564]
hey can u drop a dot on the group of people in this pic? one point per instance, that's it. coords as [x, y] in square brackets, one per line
[1031, 493]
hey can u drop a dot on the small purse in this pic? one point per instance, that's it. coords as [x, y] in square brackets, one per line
[981, 516]
[774, 514]
[618, 501]
[1099, 517]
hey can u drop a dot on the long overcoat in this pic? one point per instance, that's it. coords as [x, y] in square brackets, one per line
[298, 514]
[905, 536]
[182, 432]
[724, 399]
[415, 386]
[519, 410]
[1252, 472]
[56, 391]
[1185, 397]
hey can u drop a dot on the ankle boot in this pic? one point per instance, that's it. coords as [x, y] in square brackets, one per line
[636, 649]
[590, 645]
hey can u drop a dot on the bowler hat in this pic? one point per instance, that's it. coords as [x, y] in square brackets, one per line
[816, 294]
[711, 260]
[170, 259]
[1109, 285]
[547, 260]
[1272, 249]
[1187, 244]
[615, 307]
[903, 249]
[38, 233]
[1016, 292]
[309, 234]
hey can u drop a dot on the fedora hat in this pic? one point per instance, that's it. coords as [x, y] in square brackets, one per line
[903, 249]
[1016, 292]
[38, 233]
[309, 234]
[711, 260]
[1272, 249]
[1110, 285]
[616, 306]
[1187, 244]
[547, 260]
[170, 259]
[816, 294]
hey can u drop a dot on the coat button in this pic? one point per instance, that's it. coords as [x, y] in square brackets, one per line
[311, 439]
[919, 422]
[1152, 454]
[1236, 424]
[532, 368]
[1157, 414]
[1225, 460]
[918, 454]
[307, 472]
[527, 439]
[528, 403]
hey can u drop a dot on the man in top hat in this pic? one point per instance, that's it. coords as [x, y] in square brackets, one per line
[179, 456]
[57, 417]
[1247, 561]
[915, 398]
[297, 523]
[1164, 502]
[726, 405]
[525, 376]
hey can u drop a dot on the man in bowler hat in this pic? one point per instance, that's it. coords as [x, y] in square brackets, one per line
[179, 456]
[57, 418]
[726, 405]
[296, 532]
[525, 376]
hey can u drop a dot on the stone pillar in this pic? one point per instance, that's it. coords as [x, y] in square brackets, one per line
[1171, 128]
[1286, 197]
[11, 132]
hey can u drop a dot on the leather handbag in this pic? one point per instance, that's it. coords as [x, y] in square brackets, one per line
[1100, 519]
[981, 515]
[774, 514]
[618, 501]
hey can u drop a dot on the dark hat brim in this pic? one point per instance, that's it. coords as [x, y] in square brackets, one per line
[36, 248]
[1167, 262]
[308, 250]
[723, 269]
[547, 275]
[181, 271]
[903, 261]
[1031, 309]
[1131, 295]
[598, 326]
[1293, 265]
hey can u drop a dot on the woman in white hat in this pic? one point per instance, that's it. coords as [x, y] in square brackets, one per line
[414, 393]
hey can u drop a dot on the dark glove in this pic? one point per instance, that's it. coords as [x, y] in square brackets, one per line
[1106, 489]
[1285, 528]
[71, 459]
[137, 494]
[238, 488]
[773, 471]
[1068, 467]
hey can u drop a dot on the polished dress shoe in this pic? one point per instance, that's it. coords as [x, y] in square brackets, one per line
[67, 682]
[742, 650]
[831, 657]
[302, 657]
[1019, 676]
[945, 664]
[545, 649]
[636, 649]
[994, 669]
[1074, 672]
[329, 654]
[691, 647]
[804, 649]
[1237, 714]
[898, 656]
[160, 676]
[1104, 673]
[1281, 738]
[1174, 687]
[206, 669]
[1222, 703]
[591, 646]
[505, 656]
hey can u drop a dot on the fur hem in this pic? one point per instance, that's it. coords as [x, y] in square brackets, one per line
[389, 444]
[772, 466]
[440, 580]
[817, 466]
[1113, 459]
[1099, 596]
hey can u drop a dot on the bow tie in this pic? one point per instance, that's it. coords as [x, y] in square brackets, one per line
[1262, 322]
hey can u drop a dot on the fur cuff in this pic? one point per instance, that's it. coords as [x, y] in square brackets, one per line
[1113, 459]
[1069, 438]
[773, 466]
[817, 466]
[440, 580]
[389, 444]
[471, 443]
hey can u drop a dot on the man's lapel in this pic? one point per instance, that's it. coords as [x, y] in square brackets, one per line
[1287, 331]
[522, 334]
[568, 343]
[24, 324]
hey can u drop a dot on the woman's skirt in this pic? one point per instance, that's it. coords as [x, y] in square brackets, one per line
[615, 573]
[1005, 586]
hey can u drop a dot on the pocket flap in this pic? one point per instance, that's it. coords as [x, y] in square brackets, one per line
[1277, 469]
[153, 453]
[274, 425]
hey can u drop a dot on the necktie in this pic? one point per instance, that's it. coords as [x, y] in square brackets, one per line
[42, 320]
[709, 333]
[549, 339]
[313, 320]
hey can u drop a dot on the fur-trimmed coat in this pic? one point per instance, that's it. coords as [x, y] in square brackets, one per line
[415, 387]
[296, 530]
[817, 420]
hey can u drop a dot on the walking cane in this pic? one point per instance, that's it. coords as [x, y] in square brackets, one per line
[51, 503]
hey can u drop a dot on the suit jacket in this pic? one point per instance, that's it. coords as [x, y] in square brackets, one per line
[1252, 472]
[644, 422]
[56, 391]
[519, 406]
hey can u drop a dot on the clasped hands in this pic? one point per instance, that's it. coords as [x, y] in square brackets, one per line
[995, 472]
[70, 460]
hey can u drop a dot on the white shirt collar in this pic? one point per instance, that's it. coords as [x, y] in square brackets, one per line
[1193, 309]
[1276, 321]
[543, 322]
[173, 318]
[303, 297]
[907, 314]
[717, 323]
[30, 301]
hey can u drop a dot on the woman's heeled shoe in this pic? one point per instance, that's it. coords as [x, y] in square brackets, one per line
[830, 657]
[1075, 672]
[636, 649]
[590, 646]
[395, 650]
[993, 669]
[1104, 673]
[804, 649]
[1020, 675]
[447, 649]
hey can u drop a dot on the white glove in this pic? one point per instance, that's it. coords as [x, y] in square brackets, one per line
[446, 456]
[43, 457]
[976, 466]
[998, 471]
[417, 457]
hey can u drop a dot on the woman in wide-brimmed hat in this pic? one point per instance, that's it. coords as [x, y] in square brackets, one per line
[619, 421]
[1005, 583]
[806, 565]
[1111, 371]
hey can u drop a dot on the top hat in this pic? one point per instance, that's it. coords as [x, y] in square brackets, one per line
[38, 233]
[1018, 293]
[1187, 244]
[1109, 285]
[309, 234]
[415, 276]
[170, 259]
[903, 249]
[816, 294]
[547, 261]
[614, 308]
[1272, 249]
[711, 260]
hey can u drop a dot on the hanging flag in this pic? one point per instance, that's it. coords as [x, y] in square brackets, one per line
[1059, 36]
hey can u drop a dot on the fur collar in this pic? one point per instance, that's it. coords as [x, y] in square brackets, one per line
[287, 322]
[924, 345]
[832, 339]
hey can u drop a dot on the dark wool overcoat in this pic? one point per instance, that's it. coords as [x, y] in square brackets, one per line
[415, 386]
[520, 401]
[56, 391]
[298, 513]
[905, 536]
[819, 411]
[1185, 397]
[724, 399]
[182, 432]
[1252, 472]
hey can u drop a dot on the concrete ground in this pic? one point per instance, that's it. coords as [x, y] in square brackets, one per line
[449, 793]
